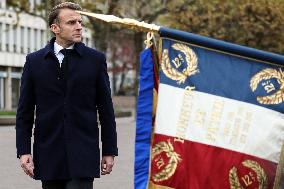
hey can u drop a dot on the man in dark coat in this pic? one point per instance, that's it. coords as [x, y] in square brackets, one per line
[65, 83]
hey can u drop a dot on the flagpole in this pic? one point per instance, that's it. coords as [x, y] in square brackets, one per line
[126, 22]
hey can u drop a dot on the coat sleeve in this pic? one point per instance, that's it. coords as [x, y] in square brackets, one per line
[106, 113]
[25, 112]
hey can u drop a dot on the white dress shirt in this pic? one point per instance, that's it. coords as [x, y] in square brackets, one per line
[58, 54]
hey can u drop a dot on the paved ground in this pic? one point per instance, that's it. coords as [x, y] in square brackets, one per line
[12, 177]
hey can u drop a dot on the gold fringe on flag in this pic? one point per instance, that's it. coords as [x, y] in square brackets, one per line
[127, 22]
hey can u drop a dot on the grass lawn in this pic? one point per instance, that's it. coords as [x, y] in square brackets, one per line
[7, 113]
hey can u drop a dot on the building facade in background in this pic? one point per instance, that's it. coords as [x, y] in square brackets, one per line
[20, 34]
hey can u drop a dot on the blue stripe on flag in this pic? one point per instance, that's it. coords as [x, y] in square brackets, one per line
[224, 75]
[144, 120]
[221, 45]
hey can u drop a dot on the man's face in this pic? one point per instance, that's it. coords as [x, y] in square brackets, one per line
[68, 30]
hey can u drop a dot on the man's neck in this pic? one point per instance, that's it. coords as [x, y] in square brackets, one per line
[58, 48]
[63, 44]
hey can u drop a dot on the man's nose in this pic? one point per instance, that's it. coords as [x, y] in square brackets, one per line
[79, 25]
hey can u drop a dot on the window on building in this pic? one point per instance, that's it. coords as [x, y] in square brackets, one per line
[34, 39]
[2, 68]
[7, 31]
[22, 31]
[16, 71]
[42, 38]
[29, 40]
[15, 92]
[16, 76]
[1, 36]
[15, 37]
[2, 93]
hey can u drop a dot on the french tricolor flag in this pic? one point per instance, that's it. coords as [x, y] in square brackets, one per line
[219, 119]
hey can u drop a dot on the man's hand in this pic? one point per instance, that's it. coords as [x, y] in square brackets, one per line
[27, 164]
[107, 164]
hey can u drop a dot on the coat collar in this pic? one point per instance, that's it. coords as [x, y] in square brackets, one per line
[49, 48]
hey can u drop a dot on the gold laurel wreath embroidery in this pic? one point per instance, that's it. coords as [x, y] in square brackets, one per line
[261, 175]
[234, 180]
[191, 60]
[171, 167]
[269, 73]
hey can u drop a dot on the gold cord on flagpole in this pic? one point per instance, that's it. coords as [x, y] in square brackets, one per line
[127, 22]
[148, 42]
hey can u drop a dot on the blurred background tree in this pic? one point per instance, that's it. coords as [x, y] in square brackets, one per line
[254, 23]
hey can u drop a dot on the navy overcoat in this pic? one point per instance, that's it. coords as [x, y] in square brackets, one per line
[66, 133]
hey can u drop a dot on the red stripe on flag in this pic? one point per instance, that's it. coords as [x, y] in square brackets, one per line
[190, 165]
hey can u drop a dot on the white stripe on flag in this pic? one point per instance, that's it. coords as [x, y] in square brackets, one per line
[219, 121]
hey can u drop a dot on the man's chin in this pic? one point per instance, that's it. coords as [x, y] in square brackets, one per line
[77, 39]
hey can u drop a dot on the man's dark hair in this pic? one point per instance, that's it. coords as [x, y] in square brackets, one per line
[53, 15]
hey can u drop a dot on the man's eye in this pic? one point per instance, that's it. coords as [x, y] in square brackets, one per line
[72, 22]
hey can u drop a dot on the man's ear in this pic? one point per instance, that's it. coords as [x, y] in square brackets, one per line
[55, 28]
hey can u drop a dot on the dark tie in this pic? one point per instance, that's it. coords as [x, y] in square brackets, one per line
[64, 64]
